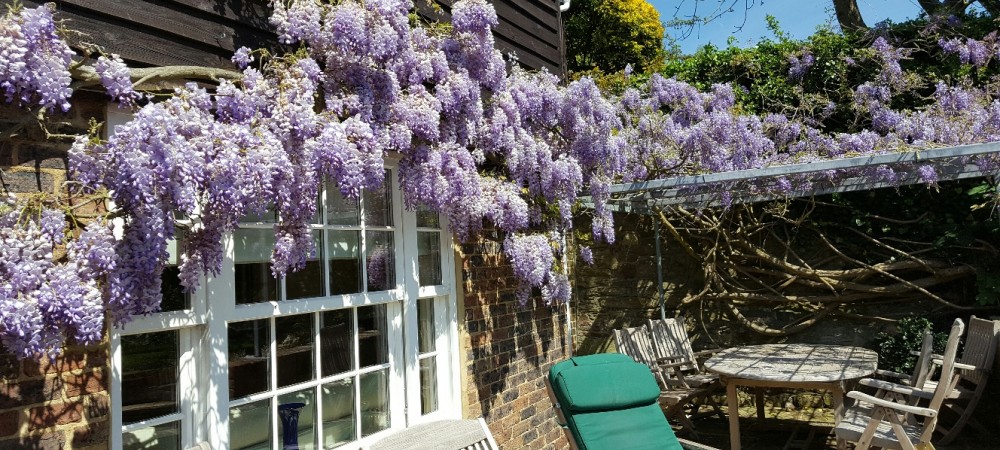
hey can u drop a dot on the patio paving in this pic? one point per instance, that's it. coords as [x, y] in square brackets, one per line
[774, 431]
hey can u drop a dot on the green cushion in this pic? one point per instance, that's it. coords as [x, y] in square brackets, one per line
[587, 388]
[587, 360]
[639, 428]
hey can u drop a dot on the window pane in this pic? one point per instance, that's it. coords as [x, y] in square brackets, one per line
[429, 258]
[428, 385]
[270, 215]
[160, 437]
[149, 375]
[373, 346]
[374, 402]
[380, 260]
[338, 413]
[343, 249]
[340, 210]
[250, 426]
[427, 218]
[337, 342]
[307, 282]
[249, 365]
[378, 204]
[295, 338]
[296, 410]
[425, 325]
[174, 297]
[254, 282]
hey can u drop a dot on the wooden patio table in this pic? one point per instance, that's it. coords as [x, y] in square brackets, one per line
[796, 366]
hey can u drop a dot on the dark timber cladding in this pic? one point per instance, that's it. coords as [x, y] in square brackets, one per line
[207, 32]
[529, 28]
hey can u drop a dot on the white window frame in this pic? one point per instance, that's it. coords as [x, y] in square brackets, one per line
[203, 383]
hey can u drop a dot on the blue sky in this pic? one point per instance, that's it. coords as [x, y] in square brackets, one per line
[799, 18]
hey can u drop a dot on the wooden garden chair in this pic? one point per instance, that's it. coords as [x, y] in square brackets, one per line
[882, 422]
[974, 369]
[672, 345]
[675, 392]
[920, 368]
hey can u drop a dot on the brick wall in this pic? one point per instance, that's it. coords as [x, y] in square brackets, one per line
[63, 403]
[507, 350]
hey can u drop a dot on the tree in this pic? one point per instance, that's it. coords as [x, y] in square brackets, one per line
[847, 13]
[611, 34]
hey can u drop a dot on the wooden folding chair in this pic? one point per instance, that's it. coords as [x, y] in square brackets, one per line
[675, 392]
[882, 422]
[974, 369]
[672, 345]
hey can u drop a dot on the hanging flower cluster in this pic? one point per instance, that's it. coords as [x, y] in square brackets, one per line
[476, 141]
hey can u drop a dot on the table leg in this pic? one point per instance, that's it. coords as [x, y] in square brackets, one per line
[838, 402]
[838, 410]
[734, 415]
[759, 401]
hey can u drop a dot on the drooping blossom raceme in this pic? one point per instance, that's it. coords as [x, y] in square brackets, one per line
[46, 299]
[799, 65]
[116, 79]
[34, 60]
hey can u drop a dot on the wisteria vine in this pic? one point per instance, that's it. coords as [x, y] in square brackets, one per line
[476, 140]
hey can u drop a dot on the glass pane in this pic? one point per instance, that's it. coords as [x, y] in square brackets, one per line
[249, 362]
[343, 249]
[429, 258]
[428, 385]
[378, 204]
[427, 218]
[336, 342]
[295, 338]
[174, 297]
[250, 426]
[254, 282]
[338, 413]
[373, 348]
[307, 282]
[297, 412]
[160, 437]
[374, 402]
[149, 375]
[425, 325]
[340, 210]
[269, 215]
[380, 260]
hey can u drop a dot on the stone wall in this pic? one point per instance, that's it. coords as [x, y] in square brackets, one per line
[61, 403]
[507, 350]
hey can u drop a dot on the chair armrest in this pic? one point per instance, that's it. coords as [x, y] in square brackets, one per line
[672, 361]
[907, 409]
[897, 388]
[691, 445]
[891, 374]
[710, 351]
[958, 365]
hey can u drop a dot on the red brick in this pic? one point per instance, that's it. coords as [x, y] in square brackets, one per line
[85, 383]
[9, 423]
[94, 433]
[60, 413]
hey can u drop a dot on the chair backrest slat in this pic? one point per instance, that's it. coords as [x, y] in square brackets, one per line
[922, 367]
[637, 343]
[980, 348]
[670, 339]
[947, 380]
